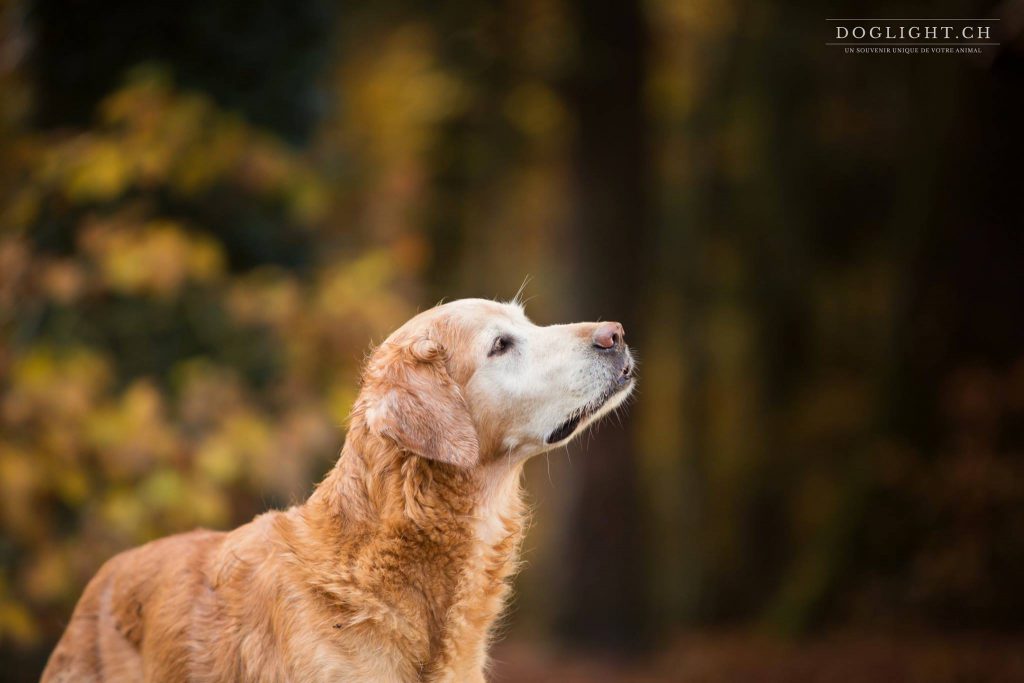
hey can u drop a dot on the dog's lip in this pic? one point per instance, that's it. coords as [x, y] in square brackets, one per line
[572, 423]
[627, 372]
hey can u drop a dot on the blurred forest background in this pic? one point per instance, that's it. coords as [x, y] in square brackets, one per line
[210, 209]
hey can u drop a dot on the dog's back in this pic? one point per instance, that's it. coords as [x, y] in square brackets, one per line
[212, 606]
[132, 590]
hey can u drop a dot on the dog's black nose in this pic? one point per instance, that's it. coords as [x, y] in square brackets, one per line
[609, 336]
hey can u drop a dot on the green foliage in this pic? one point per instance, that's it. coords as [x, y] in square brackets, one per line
[150, 379]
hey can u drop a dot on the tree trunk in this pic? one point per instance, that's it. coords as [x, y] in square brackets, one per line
[604, 596]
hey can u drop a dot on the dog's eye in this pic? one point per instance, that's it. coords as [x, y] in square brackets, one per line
[501, 344]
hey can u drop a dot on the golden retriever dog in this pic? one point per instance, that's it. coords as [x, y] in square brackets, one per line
[397, 566]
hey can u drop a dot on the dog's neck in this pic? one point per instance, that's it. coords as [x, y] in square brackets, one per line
[455, 530]
[377, 483]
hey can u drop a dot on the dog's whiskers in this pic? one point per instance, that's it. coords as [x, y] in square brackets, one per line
[517, 299]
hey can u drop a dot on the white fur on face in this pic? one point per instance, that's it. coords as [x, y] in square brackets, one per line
[545, 376]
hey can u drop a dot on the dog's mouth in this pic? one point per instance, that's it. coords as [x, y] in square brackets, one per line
[621, 382]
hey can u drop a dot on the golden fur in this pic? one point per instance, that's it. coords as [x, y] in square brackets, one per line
[395, 569]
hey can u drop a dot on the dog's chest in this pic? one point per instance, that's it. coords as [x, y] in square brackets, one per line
[482, 590]
[437, 631]
[421, 594]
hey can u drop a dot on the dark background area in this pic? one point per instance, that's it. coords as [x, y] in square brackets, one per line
[208, 210]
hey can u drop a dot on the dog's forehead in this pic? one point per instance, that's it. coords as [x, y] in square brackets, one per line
[481, 313]
[460, 320]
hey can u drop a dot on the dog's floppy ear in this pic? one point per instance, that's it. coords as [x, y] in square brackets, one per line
[411, 400]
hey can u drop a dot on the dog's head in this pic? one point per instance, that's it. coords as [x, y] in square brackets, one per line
[473, 380]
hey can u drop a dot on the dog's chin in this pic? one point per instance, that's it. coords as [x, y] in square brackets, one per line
[583, 417]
